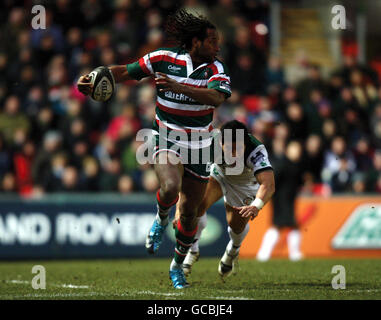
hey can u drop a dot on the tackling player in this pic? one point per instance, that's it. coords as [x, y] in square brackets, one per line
[190, 83]
[244, 194]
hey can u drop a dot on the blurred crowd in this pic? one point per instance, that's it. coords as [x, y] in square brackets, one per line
[53, 139]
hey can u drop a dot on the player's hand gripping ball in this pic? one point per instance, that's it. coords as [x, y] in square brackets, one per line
[103, 83]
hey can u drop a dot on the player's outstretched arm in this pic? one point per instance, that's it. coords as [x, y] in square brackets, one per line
[120, 74]
[264, 194]
[206, 96]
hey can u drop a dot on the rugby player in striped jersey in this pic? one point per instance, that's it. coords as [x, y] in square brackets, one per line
[190, 83]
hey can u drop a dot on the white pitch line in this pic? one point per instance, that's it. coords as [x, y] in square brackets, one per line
[71, 286]
[53, 295]
[18, 282]
[228, 298]
[159, 293]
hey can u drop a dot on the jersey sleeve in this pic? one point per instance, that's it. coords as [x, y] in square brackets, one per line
[258, 159]
[141, 68]
[220, 80]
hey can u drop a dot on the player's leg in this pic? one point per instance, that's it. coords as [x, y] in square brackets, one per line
[212, 194]
[293, 236]
[269, 241]
[170, 180]
[192, 193]
[271, 236]
[293, 243]
[238, 228]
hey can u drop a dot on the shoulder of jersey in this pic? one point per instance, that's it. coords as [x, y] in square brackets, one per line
[254, 141]
[226, 69]
[253, 144]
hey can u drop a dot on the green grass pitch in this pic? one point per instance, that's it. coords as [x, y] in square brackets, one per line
[148, 279]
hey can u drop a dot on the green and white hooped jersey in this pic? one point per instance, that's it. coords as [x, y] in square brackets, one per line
[176, 111]
[256, 160]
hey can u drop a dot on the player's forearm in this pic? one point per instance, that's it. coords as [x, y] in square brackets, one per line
[205, 96]
[266, 191]
[120, 73]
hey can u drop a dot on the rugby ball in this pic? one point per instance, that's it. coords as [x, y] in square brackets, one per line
[103, 83]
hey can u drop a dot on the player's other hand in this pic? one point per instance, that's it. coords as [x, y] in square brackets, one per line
[247, 211]
[165, 83]
[84, 85]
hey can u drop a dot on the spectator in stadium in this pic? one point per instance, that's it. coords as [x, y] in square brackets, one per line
[287, 164]
[265, 112]
[338, 165]
[275, 80]
[363, 154]
[125, 184]
[222, 14]
[316, 110]
[34, 101]
[351, 64]
[358, 183]
[124, 126]
[313, 157]
[245, 56]
[52, 143]
[245, 77]
[5, 158]
[341, 178]
[329, 131]
[22, 160]
[375, 126]
[44, 121]
[58, 163]
[363, 90]
[89, 175]
[287, 95]
[149, 181]
[70, 180]
[313, 81]
[296, 121]
[110, 174]
[79, 152]
[373, 174]
[13, 119]
[8, 184]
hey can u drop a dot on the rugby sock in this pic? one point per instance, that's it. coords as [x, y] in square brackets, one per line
[163, 209]
[184, 241]
[201, 225]
[293, 243]
[236, 240]
[268, 243]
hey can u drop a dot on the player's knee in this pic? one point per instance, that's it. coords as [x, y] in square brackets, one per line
[170, 188]
[237, 226]
[189, 222]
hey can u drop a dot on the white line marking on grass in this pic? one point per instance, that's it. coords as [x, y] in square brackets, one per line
[71, 286]
[18, 282]
[53, 295]
[158, 293]
[228, 298]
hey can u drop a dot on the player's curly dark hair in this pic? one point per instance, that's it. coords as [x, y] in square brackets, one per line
[181, 27]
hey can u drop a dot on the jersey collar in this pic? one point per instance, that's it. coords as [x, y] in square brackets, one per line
[189, 62]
